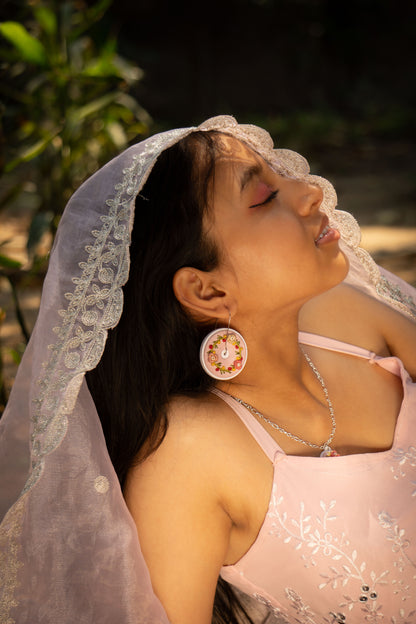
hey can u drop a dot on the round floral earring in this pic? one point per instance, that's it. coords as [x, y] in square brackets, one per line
[223, 353]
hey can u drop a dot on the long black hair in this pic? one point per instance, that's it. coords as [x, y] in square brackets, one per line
[152, 354]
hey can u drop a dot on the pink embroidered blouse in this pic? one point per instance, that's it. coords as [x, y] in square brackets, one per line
[338, 541]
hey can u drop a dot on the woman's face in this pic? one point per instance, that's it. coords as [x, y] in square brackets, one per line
[276, 249]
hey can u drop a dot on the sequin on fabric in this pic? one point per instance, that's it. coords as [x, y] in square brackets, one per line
[101, 484]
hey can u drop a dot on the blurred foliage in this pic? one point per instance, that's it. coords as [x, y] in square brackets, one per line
[66, 103]
[66, 108]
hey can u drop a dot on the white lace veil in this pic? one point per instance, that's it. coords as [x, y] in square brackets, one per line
[69, 550]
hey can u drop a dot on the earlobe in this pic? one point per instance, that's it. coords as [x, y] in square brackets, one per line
[196, 291]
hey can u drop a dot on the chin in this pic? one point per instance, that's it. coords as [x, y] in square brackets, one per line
[335, 275]
[339, 269]
[342, 266]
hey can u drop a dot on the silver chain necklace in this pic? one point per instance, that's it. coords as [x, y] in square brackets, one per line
[326, 449]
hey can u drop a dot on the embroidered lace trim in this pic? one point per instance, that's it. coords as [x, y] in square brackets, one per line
[95, 305]
[9, 560]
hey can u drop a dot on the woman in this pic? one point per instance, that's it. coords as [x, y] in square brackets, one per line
[253, 481]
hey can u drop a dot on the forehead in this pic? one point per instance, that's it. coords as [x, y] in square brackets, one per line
[236, 165]
[233, 152]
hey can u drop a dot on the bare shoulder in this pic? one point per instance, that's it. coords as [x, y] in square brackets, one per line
[185, 499]
[174, 495]
[199, 456]
[193, 426]
[190, 440]
[350, 315]
[346, 314]
[193, 412]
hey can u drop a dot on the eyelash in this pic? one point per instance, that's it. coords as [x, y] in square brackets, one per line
[268, 199]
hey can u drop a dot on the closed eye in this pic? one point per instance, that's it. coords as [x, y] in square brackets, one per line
[268, 199]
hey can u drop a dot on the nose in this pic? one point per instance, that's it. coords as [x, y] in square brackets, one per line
[311, 196]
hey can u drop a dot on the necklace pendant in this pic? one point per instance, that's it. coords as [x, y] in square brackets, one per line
[328, 452]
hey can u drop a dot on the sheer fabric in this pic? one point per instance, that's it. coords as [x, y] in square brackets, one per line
[69, 549]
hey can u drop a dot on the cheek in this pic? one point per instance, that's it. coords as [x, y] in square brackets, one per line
[287, 248]
[273, 250]
[280, 259]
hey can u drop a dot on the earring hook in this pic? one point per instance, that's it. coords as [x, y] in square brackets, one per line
[225, 352]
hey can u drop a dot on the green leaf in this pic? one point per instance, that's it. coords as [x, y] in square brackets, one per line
[16, 355]
[116, 133]
[29, 48]
[130, 103]
[46, 18]
[41, 223]
[29, 153]
[9, 263]
[108, 63]
[101, 67]
[92, 107]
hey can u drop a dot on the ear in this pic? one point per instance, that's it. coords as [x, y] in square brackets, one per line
[198, 292]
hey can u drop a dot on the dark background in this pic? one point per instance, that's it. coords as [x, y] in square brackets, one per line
[349, 61]
[332, 79]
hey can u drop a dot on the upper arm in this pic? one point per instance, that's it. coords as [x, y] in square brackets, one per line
[400, 335]
[381, 321]
[183, 529]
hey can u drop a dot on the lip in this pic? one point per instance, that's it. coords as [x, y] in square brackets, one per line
[326, 234]
[324, 224]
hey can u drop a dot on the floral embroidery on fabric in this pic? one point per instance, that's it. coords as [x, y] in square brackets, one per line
[394, 533]
[400, 545]
[404, 460]
[321, 539]
[279, 616]
[390, 291]
[9, 561]
[404, 618]
[302, 609]
[315, 534]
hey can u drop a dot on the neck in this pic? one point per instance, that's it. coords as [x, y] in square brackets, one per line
[275, 364]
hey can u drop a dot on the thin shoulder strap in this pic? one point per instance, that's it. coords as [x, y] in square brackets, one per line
[264, 439]
[314, 340]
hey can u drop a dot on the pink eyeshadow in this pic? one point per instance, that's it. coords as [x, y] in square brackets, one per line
[262, 192]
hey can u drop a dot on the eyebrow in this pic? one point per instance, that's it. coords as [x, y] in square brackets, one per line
[249, 174]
